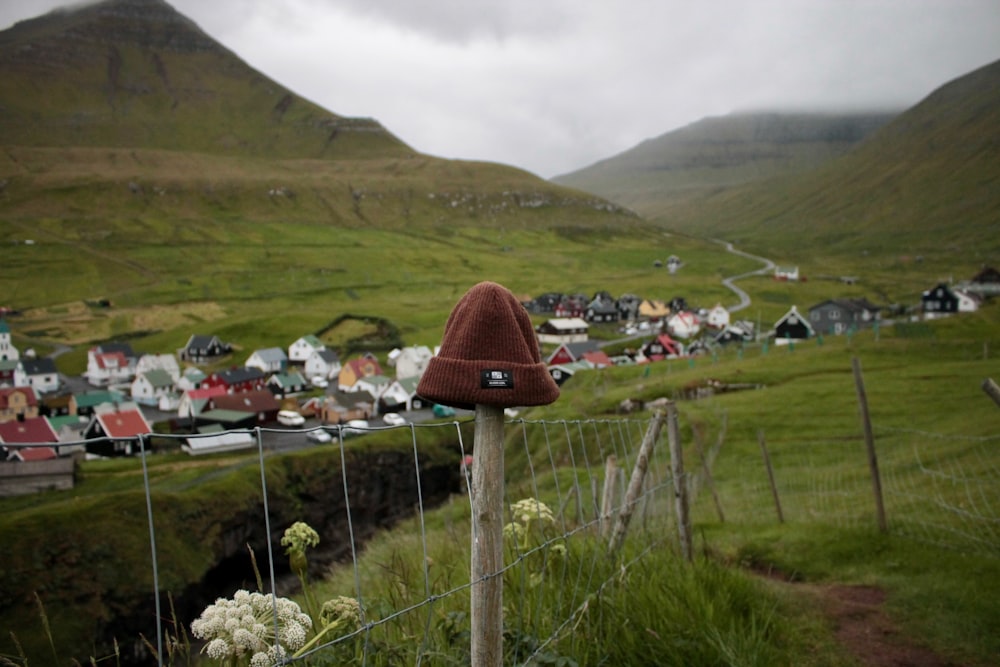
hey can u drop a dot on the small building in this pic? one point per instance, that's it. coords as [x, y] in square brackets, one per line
[563, 330]
[303, 348]
[194, 401]
[149, 387]
[838, 316]
[17, 404]
[339, 407]
[161, 362]
[939, 300]
[736, 332]
[562, 372]
[116, 430]
[401, 394]
[661, 347]
[356, 369]
[201, 349]
[268, 360]
[412, 361]
[718, 317]
[323, 363]
[287, 384]
[87, 402]
[792, 326]
[262, 404]
[109, 367]
[786, 273]
[684, 324]
[236, 380]
[567, 353]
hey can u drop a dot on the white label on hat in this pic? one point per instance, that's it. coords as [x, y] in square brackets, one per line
[494, 379]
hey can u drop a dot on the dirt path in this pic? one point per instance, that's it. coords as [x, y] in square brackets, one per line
[861, 624]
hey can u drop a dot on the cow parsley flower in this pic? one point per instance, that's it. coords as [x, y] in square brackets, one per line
[245, 626]
[298, 537]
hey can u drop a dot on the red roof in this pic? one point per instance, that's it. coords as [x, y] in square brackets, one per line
[111, 360]
[208, 392]
[35, 429]
[599, 358]
[36, 453]
[123, 424]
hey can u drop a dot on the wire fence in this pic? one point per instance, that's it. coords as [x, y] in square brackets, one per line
[567, 487]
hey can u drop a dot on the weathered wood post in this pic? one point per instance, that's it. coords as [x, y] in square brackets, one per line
[610, 493]
[487, 537]
[681, 503]
[489, 360]
[770, 475]
[636, 481]
[866, 424]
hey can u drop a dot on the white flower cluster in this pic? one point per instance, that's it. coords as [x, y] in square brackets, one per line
[341, 610]
[527, 510]
[298, 536]
[246, 625]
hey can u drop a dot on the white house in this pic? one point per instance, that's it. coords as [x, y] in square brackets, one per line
[107, 368]
[412, 361]
[163, 362]
[323, 363]
[402, 391]
[718, 317]
[39, 374]
[786, 273]
[563, 330]
[376, 385]
[300, 351]
[684, 324]
[190, 379]
[268, 360]
[968, 302]
[149, 387]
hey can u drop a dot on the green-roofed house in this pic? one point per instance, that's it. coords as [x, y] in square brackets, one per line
[401, 395]
[151, 386]
[84, 402]
[286, 384]
[304, 348]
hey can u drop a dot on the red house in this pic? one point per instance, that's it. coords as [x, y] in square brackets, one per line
[237, 380]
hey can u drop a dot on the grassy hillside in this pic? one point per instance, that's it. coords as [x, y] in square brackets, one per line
[925, 185]
[717, 154]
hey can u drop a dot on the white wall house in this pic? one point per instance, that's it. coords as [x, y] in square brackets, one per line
[39, 374]
[268, 360]
[149, 387]
[684, 324]
[323, 363]
[163, 362]
[412, 361]
[108, 368]
[7, 350]
[718, 317]
[300, 351]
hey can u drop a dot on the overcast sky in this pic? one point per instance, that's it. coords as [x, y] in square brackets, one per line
[552, 86]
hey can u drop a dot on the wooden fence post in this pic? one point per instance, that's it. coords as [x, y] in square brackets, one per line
[680, 482]
[610, 493]
[487, 538]
[635, 482]
[770, 475]
[991, 388]
[708, 474]
[866, 424]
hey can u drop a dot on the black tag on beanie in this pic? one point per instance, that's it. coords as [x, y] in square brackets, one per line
[496, 380]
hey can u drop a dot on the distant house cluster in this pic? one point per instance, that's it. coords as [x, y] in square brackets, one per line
[307, 378]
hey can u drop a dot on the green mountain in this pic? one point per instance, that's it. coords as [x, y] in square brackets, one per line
[718, 153]
[924, 185]
[137, 74]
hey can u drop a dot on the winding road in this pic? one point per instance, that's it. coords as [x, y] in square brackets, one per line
[730, 282]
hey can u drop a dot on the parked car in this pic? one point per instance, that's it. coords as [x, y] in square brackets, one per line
[290, 418]
[443, 411]
[319, 436]
[393, 419]
[355, 426]
[319, 382]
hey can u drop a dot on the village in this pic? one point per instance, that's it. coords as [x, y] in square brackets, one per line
[45, 416]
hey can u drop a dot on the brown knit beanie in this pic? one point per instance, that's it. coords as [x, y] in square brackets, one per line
[489, 355]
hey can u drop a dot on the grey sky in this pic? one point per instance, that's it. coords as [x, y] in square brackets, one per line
[554, 85]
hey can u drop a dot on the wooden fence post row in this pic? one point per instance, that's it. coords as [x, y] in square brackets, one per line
[866, 424]
[680, 482]
[635, 482]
